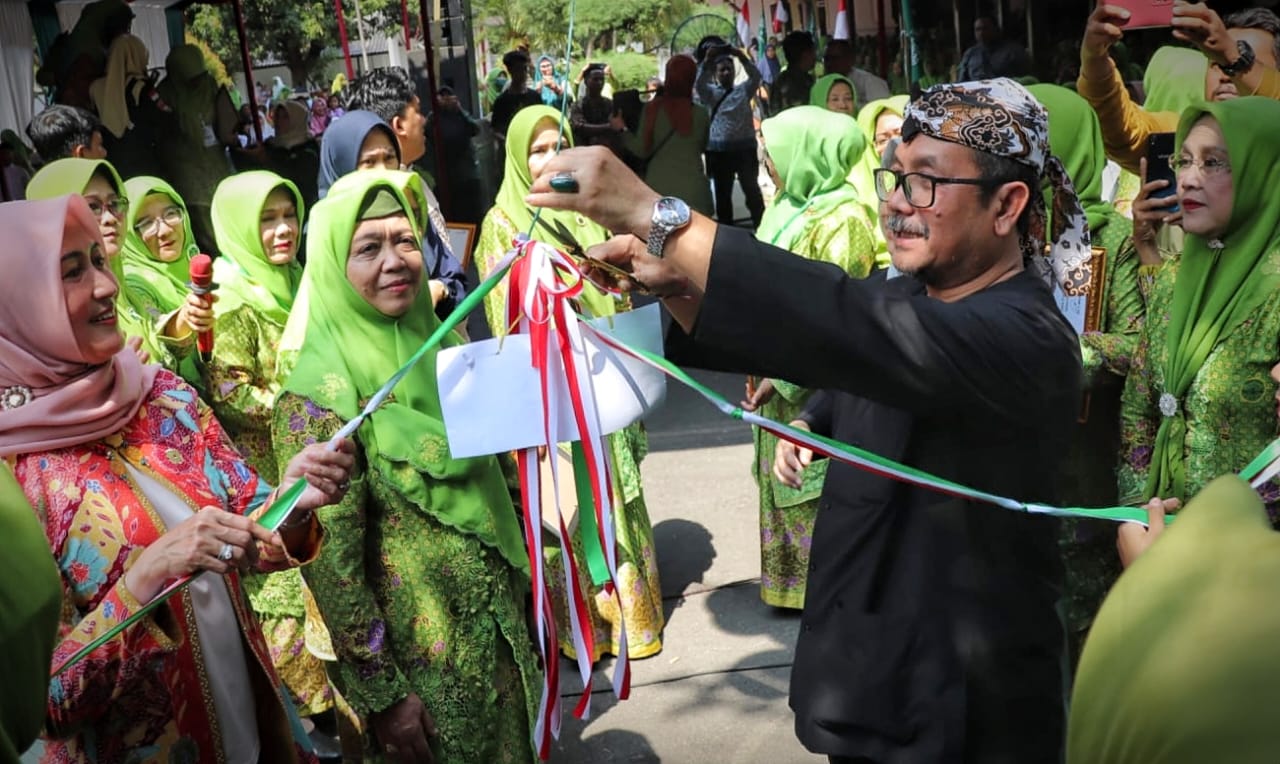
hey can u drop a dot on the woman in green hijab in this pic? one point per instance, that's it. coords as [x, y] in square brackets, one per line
[816, 214]
[1088, 547]
[423, 575]
[256, 221]
[881, 122]
[533, 138]
[1197, 402]
[97, 181]
[834, 92]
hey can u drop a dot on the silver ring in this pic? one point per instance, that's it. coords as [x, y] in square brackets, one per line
[225, 553]
[344, 485]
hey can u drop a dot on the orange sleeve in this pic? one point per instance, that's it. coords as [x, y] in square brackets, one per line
[1270, 84]
[1125, 125]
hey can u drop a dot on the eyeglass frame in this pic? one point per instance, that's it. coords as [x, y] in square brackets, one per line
[151, 226]
[1220, 166]
[119, 207]
[900, 182]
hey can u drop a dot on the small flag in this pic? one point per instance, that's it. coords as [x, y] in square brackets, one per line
[841, 31]
[744, 24]
[780, 17]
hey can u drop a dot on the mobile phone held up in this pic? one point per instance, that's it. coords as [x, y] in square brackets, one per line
[1159, 155]
[1146, 14]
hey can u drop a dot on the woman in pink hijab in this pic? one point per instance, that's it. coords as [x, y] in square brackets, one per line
[137, 486]
[319, 117]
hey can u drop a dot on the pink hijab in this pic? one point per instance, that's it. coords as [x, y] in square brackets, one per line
[50, 397]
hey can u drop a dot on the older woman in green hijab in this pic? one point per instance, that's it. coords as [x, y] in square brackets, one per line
[1197, 403]
[532, 139]
[97, 181]
[1088, 547]
[424, 573]
[834, 92]
[256, 221]
[818, 215]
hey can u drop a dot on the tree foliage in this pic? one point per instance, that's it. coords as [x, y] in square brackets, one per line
[599, 25]
[296, 33]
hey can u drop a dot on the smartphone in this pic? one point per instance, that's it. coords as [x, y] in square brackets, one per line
[1159, 153]
[1146, 14]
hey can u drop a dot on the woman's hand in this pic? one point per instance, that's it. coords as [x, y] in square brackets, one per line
[1132, 539]
[759, 395]
[403, 730]
[194, 545]
[790, 460]
[194, 316]
[1149, 215]
[135, 344]
[328, 473]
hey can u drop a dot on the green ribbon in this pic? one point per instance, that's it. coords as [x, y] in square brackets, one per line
[587, 517]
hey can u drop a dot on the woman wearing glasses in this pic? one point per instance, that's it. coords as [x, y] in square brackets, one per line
[158, 246]
[1198, 402]
[97, 181]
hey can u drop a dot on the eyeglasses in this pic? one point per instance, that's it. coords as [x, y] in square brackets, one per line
[116, 206]
[1210, 166]
[919, 188]
[171, 217]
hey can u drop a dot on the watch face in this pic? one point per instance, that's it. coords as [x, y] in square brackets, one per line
[672, 212]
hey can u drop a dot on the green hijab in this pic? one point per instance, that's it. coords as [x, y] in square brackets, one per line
[1075, 137]
[189, 89]
[1174, 79]
[812, 150]
[515, 187]
[1182, 665]
[70, 176]
[822, 88]
[863, 177]
[243, 273]
[1216, 289]
[164, 283]
[350, 350]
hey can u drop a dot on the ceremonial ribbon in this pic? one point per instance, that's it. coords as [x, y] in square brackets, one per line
[542, 282]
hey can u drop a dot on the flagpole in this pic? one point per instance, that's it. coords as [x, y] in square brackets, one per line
[912, 46]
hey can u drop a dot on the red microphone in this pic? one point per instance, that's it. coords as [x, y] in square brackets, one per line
[201, 271]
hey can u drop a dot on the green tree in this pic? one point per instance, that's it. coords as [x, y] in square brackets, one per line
[297, 33]
[599, 25]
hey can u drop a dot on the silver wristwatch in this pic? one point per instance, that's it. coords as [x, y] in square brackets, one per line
[669, 215]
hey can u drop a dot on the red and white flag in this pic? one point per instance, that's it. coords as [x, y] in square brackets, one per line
[780, 17]
[744, 24]
[841, 30]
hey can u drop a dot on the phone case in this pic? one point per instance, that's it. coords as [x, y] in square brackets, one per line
[1146, 14]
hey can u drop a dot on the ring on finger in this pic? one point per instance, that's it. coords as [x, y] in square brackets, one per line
[564, 182]
[226, 552]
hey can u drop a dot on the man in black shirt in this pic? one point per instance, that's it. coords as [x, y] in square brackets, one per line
[516, 96]
[930, 631]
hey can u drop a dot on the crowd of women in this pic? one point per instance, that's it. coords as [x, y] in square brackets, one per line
[395, 596]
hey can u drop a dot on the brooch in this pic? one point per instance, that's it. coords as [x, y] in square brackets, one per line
[14, 397]
[1168, 404]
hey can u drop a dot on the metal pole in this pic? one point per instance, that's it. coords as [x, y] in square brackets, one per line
[442, 175]
[247, 62]
[342, 36]
[1031, 31]
[364, 46]
[404, 21]
[883, 34]
[912, 49]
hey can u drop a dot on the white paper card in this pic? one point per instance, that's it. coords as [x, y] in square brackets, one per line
[1073, 308]
[492, 400]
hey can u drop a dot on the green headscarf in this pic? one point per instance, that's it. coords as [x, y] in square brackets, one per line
[243, 273]
[515, 187]
[862, 177]
[70, 176]
[1075, 137]
[812, 150]
[164, 283]
[1174, 79]
[350, 350]
[189, 89]
[822, 88]
[1182, 665]
[1216, 289]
